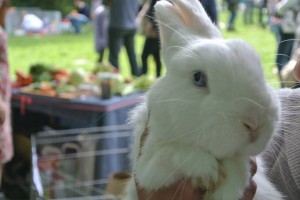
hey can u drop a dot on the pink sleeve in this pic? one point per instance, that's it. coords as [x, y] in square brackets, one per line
[6, 148]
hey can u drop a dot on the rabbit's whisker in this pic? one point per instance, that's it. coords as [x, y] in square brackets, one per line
[176, 168]
[193, 54]
[288, 40]
[181, 185]
[250, 100]
[166, 25]
[282, 55]
[172, 100]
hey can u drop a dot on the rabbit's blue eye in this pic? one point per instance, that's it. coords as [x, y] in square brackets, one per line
[200, 79]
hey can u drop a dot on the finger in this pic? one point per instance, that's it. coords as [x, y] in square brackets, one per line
[188, 191]
[297, 70]
[178, 191]
[253, 166]
[250, 191]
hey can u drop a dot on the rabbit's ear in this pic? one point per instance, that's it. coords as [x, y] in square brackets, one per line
[181, 20]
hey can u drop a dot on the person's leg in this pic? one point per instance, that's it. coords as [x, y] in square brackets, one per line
[275, 28]
[130, 48]
[77, 21]
[289, 46]
[101, 55]
[284, 50]
[145, 54]
[114, 44]
[76, 24]
[251, 8]
[261, 15]
[246, 13]
[156, 54]
[100, 34]
[280, 56]
[231, 19]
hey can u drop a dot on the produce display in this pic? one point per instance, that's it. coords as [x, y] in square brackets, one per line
[47, 80]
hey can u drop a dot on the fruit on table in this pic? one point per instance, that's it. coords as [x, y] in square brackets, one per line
[38, 69]
[103, 67]
[77, 77]
[40, 72]
[22, 79]
[143, 82]
[119, 83]
[44, 76]
[61, 76]
[62, 72]
[65, 88]
[45, 88]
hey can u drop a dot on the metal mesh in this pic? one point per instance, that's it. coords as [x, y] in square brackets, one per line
[77, 163]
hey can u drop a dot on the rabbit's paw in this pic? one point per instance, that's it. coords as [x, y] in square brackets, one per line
[155, 173]
[236, 175]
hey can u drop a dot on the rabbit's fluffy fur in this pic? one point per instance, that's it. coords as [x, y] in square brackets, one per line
[208, 114]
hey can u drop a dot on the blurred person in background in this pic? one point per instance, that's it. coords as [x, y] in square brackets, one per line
[210, 7]
[6, 147]
[94, 5]
[273, 20]
[287, 10]
[248, 12]
[80, 15]
[150, 31]
[101, 22]
[232, 6]
[262, 11]
[122, 30]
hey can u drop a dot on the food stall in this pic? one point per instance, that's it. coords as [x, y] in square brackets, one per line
[77, 99]
[68, 107]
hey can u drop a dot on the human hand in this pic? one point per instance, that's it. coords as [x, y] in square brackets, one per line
[138, 20]
[74, 13]
[183, 189]
[180, 190]
[250, 189]
[297, 70]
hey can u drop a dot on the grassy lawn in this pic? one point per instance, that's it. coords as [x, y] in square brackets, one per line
[70, 51]
[262, 39]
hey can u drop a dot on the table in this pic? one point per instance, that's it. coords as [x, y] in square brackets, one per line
[87, 111]
[31, 113]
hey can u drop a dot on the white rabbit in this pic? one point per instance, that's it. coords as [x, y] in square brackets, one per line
[208, 114]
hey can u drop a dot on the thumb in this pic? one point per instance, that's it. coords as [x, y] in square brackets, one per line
[297, 71]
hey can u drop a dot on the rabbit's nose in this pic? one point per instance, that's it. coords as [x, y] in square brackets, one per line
[252, 129]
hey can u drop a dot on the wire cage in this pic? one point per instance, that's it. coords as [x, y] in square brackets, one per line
[77, 163]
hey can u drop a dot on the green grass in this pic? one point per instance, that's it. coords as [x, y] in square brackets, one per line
[262, 39]
[66, 50]
[70, 51]
[63, 51]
